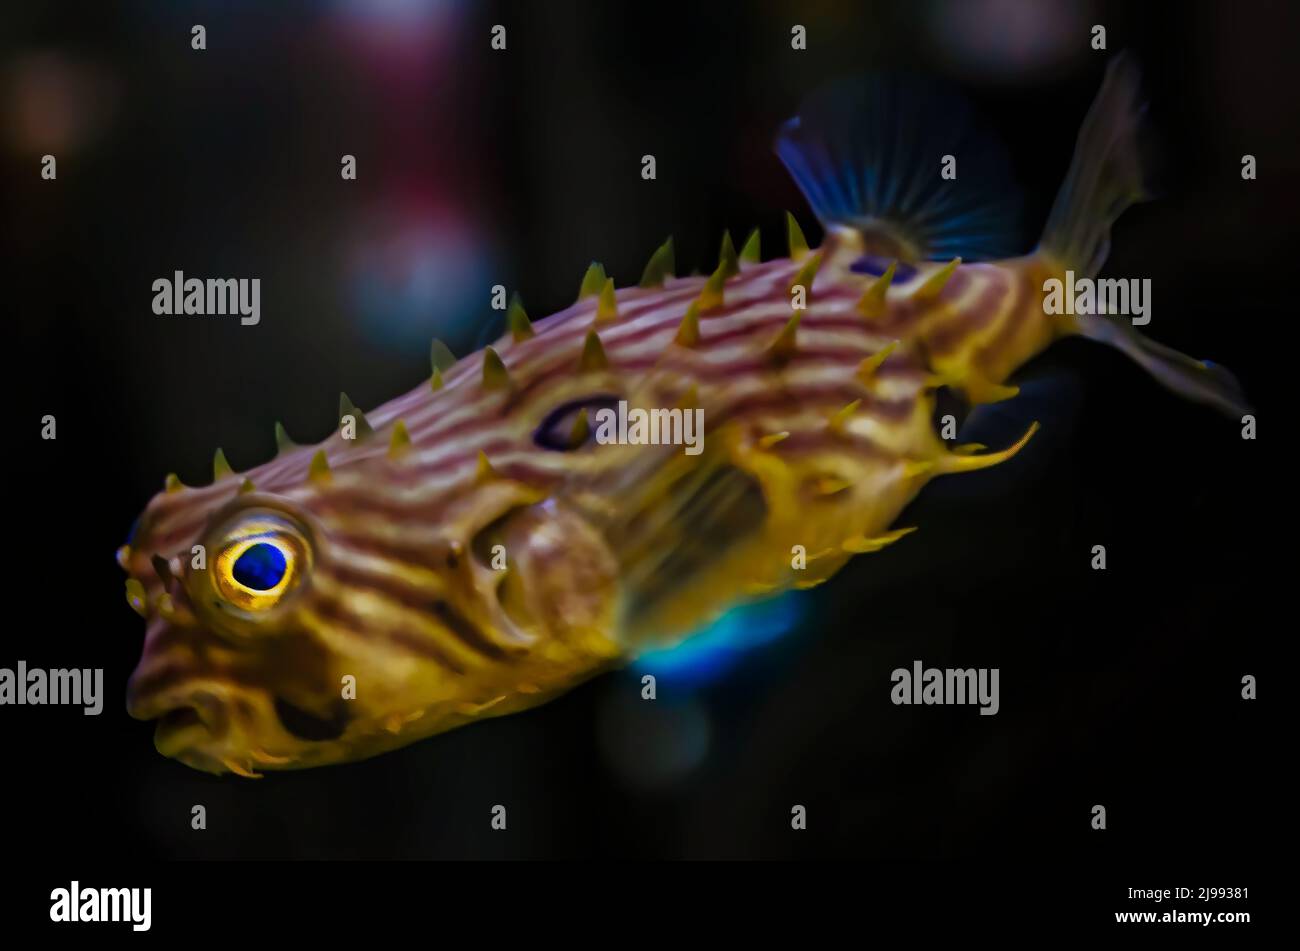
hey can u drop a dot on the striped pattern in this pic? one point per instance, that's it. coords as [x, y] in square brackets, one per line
[397, 595]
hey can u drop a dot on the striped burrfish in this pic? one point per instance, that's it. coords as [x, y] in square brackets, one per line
[613, 477]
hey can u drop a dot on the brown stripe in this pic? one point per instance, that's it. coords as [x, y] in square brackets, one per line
[1011, 326]
[465, 629]
[289, 471]
[412, 598]
[336, 613]
[969, 320]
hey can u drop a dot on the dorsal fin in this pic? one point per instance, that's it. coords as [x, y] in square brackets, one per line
[870, 154]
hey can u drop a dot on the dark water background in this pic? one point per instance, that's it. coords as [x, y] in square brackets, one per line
[1118, 687]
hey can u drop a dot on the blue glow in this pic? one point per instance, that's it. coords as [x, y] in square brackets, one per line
[712, 651]
[398, 284]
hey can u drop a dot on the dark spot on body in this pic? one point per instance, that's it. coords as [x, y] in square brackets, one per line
[877, 264]
[555, 432]
[310, 726]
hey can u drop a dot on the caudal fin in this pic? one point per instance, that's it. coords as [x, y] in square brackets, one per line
[1198, 380]
[1104, 179]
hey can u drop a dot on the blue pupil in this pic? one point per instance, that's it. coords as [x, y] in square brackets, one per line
[261, 567]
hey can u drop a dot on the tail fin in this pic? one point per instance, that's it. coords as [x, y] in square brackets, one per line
[1104, 179]
[1197, 380]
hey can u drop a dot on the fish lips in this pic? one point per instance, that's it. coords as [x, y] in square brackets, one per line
[189, 716]
[194, 718]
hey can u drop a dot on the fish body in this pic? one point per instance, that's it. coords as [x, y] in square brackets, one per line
[476, 547]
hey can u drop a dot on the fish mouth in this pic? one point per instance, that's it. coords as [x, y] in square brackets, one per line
[195, 726]
[188, 718]
[179, 732]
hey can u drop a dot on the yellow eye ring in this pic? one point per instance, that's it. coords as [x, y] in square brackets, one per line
[259, 563]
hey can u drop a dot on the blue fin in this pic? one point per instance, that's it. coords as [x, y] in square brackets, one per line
[868, 152]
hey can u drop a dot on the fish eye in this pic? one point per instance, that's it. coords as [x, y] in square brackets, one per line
[259, 561]
[261, 566]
